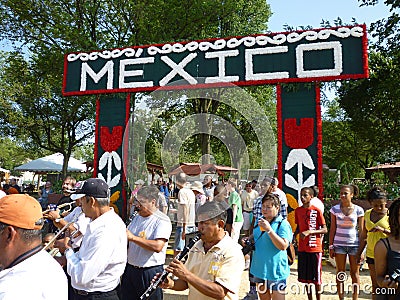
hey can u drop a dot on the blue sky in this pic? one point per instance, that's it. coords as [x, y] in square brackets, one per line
[311, 12]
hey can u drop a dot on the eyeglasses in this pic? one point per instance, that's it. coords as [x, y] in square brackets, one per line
[267, 207]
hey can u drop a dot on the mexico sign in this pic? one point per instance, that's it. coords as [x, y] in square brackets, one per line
[314, 55]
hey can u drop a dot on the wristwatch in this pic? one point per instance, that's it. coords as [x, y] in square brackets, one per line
[57, 220]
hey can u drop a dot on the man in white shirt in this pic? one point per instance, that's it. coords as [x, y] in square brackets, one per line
[77, 219]
[185, 212]
[282, 197]
[148, 236]
[96, 268]
[23, 264]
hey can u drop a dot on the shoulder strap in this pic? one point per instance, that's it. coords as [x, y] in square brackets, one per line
[262, 232]
[387, 244]
[279, 226]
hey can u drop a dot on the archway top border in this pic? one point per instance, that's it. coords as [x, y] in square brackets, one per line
[220, 44]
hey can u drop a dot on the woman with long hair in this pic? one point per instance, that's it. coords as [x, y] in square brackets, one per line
[387, 253]
[347, 222]
[376, 227]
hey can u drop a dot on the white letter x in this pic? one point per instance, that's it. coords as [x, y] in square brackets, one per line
[178, 69]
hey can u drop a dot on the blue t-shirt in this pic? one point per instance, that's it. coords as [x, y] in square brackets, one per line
[164, 189]
[268, 262]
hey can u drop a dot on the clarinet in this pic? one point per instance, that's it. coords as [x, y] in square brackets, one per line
[132, 216]
[153, 286]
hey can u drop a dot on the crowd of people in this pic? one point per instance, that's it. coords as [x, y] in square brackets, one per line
[93, 254]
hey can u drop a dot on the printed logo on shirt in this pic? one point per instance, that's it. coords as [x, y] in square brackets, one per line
[312, 242]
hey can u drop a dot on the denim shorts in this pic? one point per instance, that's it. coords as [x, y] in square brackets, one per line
[272, 285]
[179, 243]
[350, 250]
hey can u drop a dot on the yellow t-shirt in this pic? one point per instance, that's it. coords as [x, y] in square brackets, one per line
[223, 263]
[374, 237]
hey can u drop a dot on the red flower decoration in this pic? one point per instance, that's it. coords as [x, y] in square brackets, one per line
[111, 141]
[299, 137]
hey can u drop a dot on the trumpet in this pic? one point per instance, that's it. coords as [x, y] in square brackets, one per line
[61, 231]
[68, 204]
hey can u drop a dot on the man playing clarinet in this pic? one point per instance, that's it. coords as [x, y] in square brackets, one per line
[148, 235]
[214, 266]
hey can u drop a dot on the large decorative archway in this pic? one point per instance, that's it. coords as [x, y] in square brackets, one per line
[304, 57]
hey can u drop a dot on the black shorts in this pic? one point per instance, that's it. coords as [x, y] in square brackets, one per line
[309, 267]
[370, 261]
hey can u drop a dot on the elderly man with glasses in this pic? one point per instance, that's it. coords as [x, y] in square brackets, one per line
[148, 235]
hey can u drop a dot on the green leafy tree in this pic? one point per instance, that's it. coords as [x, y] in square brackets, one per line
[386, 30]
[361, 126]
[48, 29]
[12, 154]
[371, 105]
[35, 112]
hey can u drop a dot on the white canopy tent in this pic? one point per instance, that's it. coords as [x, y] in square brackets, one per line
[4, 170]
[52, 163]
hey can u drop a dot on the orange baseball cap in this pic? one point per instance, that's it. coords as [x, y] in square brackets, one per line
[22, 211]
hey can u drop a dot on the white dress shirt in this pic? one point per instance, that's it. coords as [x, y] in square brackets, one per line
[38, 277]
[101, 260]
[81, 223]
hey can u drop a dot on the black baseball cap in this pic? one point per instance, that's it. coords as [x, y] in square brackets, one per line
[92, 187]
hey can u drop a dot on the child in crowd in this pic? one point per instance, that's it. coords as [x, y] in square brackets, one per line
[347, 222]
[311, 227]
[387, 253]
[376, 227]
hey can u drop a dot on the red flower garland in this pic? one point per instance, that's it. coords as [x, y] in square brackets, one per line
[111, 141]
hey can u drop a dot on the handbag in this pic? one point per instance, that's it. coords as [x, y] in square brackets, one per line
[291, 253]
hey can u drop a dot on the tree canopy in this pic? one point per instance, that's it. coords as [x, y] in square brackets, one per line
[361, 126]
[43, 31]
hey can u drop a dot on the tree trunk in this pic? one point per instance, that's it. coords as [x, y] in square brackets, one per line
[205, 131]
[64, 171]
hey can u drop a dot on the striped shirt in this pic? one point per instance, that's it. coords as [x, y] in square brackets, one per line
[346, 226]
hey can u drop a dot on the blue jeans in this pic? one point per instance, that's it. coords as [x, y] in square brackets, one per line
[179, 243]
[272, 285]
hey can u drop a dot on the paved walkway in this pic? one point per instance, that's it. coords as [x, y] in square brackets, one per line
[294, 290]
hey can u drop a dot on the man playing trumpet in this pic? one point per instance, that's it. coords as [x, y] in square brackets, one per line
[76, 230]
[96, 268]
[78, 227]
